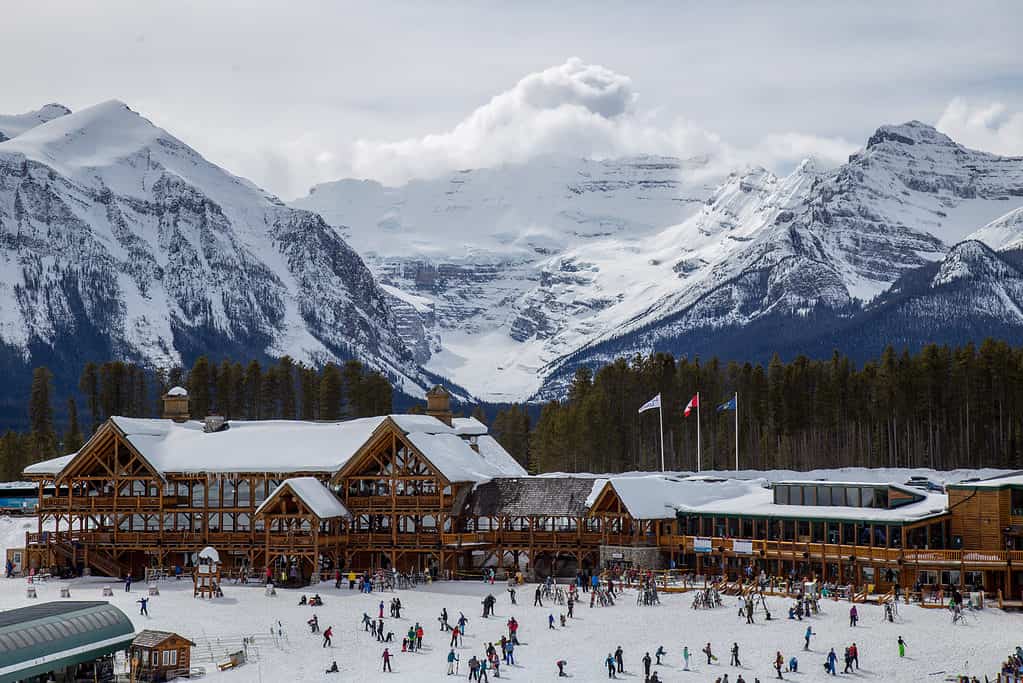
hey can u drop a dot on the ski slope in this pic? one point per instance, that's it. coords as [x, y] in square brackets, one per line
[935, 648]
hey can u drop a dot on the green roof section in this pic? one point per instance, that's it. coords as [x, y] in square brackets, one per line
[52, 635]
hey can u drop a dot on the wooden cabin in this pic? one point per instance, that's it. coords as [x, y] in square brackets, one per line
[160, 656]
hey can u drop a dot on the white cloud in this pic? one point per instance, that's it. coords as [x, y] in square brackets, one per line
[987, 126]
[576, 109]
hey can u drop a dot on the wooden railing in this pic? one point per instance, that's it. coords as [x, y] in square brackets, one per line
[429, 502]
[100, 503]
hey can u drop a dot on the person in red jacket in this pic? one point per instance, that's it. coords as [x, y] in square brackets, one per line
[327, 635]
[387, 661]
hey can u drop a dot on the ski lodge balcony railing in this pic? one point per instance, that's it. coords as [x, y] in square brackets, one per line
[100, 504]
[429, 502]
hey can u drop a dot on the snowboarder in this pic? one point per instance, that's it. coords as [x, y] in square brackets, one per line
[327, 635]
[143, 606]
[387, 661]
[735, 655]
[619, 660]
[902, 647]
[710, 653]
[610, 661]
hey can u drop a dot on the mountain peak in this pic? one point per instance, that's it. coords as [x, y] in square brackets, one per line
[13, 125]
[909, 133]
[970, 260]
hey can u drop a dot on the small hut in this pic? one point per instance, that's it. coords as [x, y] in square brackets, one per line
[206, 576]
[160, 656]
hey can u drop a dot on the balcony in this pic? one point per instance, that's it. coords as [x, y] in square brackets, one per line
[101, 504]
[383, 503]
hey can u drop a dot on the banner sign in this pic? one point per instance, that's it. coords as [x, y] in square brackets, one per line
[742, 547]
[701, 545]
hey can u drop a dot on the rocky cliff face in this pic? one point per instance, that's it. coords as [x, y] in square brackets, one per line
[117, 239]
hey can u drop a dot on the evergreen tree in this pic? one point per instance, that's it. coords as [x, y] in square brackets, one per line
[40, 415]
[199, 393]
[330, 393]
[73, 438]
[88, 384]
[286, 387]
[253, 401]
[309, 382]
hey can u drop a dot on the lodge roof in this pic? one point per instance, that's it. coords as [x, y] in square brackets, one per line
[530, 496]
[317, 497]
[150, 639]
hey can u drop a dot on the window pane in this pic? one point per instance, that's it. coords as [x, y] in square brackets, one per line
[881, 498]
[867, 494]
[781, 495]
[838, 496]
[852, 496]
[809, 495]
[824, 495]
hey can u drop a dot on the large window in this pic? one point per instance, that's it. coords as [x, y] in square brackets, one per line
[1017, 502]
[781, 494]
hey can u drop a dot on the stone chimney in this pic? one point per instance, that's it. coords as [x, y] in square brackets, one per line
[175, 405]
[438, 404]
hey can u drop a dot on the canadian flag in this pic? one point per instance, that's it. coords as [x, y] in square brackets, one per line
[694, 402]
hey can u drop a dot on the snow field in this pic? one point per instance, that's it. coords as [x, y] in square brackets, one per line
[935, 647]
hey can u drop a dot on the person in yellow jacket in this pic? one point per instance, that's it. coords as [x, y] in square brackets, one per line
[351, 580]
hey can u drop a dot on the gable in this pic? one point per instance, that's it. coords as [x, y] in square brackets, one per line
[109, 454]
[389, 453]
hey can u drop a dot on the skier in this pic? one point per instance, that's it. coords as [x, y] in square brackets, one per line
[327, 634]
[646, 666]
[710, 653]
[902, 647]
[685, 657]
[387, 661]
[735, 655]
[455, 632]
[806, 637]
[536, 598]
[452, 663]
[314, 624]
[610, 661]
[661, 652]
[619, 660]
[509, 650]
[143, 606]
[561, 668]
[511, 592]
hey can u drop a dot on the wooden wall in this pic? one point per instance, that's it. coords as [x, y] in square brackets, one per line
[978, 517]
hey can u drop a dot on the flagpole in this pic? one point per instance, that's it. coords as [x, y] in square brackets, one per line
[737, 431]
[660, 415]
[698, 468]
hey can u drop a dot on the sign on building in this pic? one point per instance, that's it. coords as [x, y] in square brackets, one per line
[701, 545]
[742, 547]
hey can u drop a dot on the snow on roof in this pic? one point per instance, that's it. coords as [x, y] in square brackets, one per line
[421, 423]
[457, 461]
[661, 497]
[997, 482]
[468, 426]
[209, 553]
[495, 454]
[51, 466]
[317, 497]
[177, 391]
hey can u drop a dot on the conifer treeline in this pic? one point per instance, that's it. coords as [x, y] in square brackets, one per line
[286, 390]
[941, 408]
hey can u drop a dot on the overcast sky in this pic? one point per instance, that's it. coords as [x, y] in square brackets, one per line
[293, 93]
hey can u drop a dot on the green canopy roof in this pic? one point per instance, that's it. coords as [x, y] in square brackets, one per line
[52, 635]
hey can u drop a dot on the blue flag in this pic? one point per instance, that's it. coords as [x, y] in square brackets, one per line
[727, 405]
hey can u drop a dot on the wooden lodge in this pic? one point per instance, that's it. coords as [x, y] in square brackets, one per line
[291, 501]
[159, 656]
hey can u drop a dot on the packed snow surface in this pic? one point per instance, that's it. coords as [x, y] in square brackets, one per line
[935, 648]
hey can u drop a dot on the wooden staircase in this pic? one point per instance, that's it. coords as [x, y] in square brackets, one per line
[102, 563]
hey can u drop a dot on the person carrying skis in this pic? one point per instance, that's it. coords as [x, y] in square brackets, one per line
[387, 660]
[610, 662]
[902, 647]
[735, 655]
[327, 635]
[646, 666]
[452, 663]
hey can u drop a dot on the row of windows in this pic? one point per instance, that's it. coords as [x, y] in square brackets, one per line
[57, 630]
[831, 495]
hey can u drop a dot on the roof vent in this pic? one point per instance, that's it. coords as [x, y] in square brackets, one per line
[214, 423]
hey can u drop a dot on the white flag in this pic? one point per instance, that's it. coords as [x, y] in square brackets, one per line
[655, 402]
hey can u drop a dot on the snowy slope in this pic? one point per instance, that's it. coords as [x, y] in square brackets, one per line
[115, 233]
[13, 125]
[468, 249]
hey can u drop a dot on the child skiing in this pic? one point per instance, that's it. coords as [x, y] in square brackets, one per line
[902, 647]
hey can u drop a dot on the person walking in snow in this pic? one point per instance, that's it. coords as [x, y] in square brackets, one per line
[853, 616]
[619, 660]
[314, 624]
[902, 647]
[779, 662]
[685, 657]
[127, 583]
[610, 662]
[661, 652]
[143, 606]
[452, 663]
[646, 666]
[443, 619]
[550, 622]
[387, 660]
[455, 632]
[536, 598]
[735, 655]
[710, 653]
[806, 637]
[832, 659]
[854, 653]
[327, 635]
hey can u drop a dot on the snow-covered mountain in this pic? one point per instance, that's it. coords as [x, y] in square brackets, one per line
[119, 240]
[518, 275]
[467, 257]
